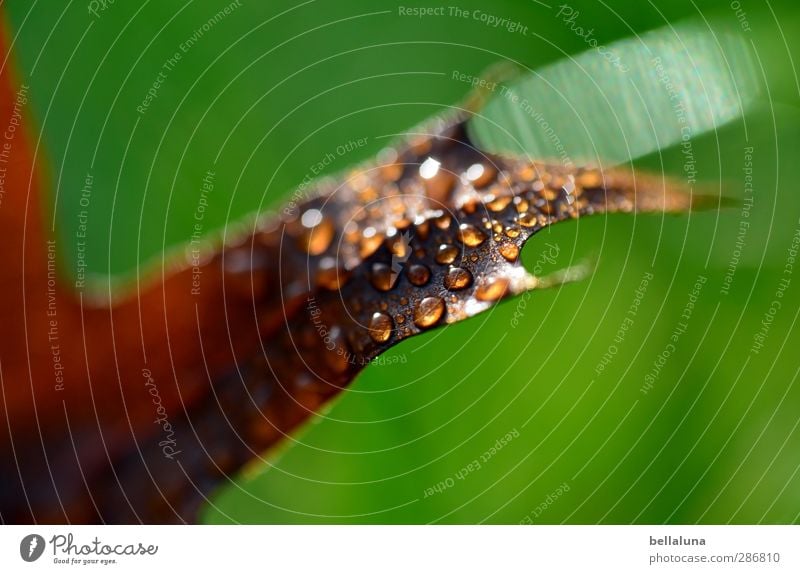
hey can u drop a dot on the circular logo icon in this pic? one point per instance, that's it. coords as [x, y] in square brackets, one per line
[31, 547]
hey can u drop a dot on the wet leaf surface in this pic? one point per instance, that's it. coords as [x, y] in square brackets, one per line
[428, 235]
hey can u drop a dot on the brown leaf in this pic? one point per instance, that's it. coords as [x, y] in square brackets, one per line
[428, 234]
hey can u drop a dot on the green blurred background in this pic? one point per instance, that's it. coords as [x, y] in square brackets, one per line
[268, 90]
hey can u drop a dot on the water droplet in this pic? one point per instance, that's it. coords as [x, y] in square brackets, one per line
[429, 168]
[528, 220]
[471, 235]
[512, 232]
[390, 168]
[439, 186]
[443, 221]
[311, 218]
[446, 253]
[499, 203]
[492, 289]
[428, 312]
[381, 276]
[557, 181]
[370, 242]
[318, 232]
[423, 229]
[380, 327]
[400, 318]
[400, 224]
[475, 171]
[469, 205]
[329, 275]
[548, 208]
[550, 194]
[590, 179]
[480, 175]
[457, 278]
[418, 274]
[367, 194]
[509, 251]
[526, 173]
[399, 246]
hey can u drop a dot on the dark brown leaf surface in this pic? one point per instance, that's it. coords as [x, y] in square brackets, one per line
[429, 233]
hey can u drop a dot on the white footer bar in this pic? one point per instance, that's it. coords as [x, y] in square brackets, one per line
[401, 549]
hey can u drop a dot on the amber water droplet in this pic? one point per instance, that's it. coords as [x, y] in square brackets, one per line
[329, 275]
[390, 168]
[480, 175]
[509, 251]
[399, 246]
[400, 318]
[590, 179]
[526, 173]
[457, 278]
[443, 221]
[522, 205]
[380, 327]
[550, 194]
[528, 220]
[418, 274]
[392, 172]
[423, 230]
[470, 235]
[557, 181]
[499, 204]
[368, 194]
[492, 290]
[439, 186]
[381, 276]
[446, 254]
[318, 233]
[370, 243]
[402, 223]
[428, 312]
[512, 232]
[469, 206]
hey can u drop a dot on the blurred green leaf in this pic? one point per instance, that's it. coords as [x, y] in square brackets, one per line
[615, 103]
